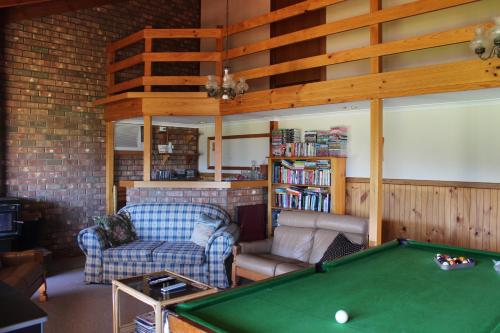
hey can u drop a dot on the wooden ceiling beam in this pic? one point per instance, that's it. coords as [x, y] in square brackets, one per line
[456, 76]
[45, 8]
[14, 3]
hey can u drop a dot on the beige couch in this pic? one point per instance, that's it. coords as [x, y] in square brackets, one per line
[300, 240]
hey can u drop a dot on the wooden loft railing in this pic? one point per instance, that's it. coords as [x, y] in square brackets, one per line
[284, 97]
[148, 57]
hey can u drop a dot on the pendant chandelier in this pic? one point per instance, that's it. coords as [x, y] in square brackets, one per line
[229, 89]
[486, 44]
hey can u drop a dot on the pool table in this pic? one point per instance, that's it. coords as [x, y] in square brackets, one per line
[395, 287]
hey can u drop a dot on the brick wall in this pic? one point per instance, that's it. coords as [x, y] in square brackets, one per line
[52, 69]
[128, 165]
[228, 199]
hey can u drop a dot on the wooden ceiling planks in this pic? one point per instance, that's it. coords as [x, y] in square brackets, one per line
[14, 3]
[30, 9]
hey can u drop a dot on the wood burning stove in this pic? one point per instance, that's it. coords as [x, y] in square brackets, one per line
[10, 215]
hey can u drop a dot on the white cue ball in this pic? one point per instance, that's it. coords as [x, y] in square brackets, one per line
[341, 317]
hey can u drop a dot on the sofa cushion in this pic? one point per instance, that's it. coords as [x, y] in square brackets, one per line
[292, 242]
[286, 267]
[261, 263]
[182, 252]
[204, 227]
[322, 240]
[298, 219]
[340, 247]
[135, 251]
[353, 227]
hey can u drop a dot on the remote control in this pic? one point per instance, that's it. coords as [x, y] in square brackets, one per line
[173, 287]
[160, 280]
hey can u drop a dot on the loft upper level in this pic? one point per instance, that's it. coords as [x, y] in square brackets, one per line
[140, 79]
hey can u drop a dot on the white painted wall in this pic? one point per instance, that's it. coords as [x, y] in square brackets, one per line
[455, 142]
[442, 20]
[213, 13]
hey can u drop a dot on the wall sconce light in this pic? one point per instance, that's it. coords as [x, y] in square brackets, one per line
[486, 44]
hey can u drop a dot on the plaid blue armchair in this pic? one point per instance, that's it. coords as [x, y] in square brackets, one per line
[164, 231]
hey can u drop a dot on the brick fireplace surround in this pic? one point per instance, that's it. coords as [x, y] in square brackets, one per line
[51, 138]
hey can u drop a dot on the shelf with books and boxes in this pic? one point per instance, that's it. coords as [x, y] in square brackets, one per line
[306, 184]
[332, 142]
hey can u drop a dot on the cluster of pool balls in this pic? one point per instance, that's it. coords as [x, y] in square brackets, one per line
[446, 260]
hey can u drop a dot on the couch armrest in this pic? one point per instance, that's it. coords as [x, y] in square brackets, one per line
[262, 246]
[217, 251]
[227, 235]
[18, 258]
[92, 239]
[93, 242]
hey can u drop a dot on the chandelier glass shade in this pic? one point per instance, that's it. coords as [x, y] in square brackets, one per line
[229, 89]
[486, 44]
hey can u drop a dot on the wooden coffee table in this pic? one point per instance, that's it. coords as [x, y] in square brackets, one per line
[139, 288]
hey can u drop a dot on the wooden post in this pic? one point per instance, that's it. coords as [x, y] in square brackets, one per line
[376, 154]
[273, 125]
[337, 187]
[218, 149]
[148, 48]
[148, 141]
[376, 141]
[110, 166]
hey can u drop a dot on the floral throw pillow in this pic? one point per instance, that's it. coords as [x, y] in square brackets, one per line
[118, 228]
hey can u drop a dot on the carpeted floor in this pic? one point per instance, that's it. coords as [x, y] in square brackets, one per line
[74, 307]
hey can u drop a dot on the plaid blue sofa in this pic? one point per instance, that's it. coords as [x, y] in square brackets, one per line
[164, 231]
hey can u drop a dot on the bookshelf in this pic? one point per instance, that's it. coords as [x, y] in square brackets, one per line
[306, 184]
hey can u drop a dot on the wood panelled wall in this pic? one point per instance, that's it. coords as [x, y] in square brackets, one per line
[439, 212]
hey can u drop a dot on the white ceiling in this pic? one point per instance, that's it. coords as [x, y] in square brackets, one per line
[482, 96]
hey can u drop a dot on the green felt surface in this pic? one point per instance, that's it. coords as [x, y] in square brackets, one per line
[391, 288]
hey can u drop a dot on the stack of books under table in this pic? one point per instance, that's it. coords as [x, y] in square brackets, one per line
[145, 323]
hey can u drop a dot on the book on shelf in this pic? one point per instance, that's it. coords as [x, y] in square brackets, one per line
[337, 141]
[302, 172]
[311, 199]
[287, 164]
[333, 142]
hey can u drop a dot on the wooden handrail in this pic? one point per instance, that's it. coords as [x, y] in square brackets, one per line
[163, 57]
[280, 14]
[377, 17]
[163, 33]
[181, 56]
[175, 80]
[449, 37]
[183, 33]
[126, 63]
[129, 40]
[360, 21]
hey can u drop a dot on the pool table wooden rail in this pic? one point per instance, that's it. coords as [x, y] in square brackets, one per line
[179, 324]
